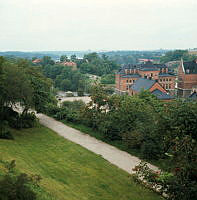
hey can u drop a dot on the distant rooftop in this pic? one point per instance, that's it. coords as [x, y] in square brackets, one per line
[131, 76]
[190, 67]
[167, 74]
[161, 95]
[142, 83]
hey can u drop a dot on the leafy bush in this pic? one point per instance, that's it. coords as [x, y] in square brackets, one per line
[174, 186]
[80, 93]
[17, 187]
[4, 131]
[52, 109]
[27, 120]
[133, 139]
[151, 148]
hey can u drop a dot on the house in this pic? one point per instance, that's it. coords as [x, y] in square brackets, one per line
[128, 76]
[151, 85]
[37, 61]
[69, 64]
[187, 78]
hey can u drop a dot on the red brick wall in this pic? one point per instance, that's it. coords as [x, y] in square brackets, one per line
[126, 82]
[148, 74]
[186, 81]
[167, 82]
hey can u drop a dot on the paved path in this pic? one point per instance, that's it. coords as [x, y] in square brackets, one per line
[115, 156]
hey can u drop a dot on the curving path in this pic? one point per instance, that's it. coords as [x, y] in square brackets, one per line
[115, 156]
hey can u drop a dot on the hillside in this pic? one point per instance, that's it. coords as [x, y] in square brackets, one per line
[69, 171]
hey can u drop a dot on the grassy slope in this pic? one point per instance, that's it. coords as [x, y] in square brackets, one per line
[68, 170]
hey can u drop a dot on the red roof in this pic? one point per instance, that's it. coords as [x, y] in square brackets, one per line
[36, 61]
[71, 64]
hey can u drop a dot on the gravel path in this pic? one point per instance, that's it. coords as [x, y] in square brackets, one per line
[115, 156]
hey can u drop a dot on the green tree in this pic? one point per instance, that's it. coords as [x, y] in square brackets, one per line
[64, 58]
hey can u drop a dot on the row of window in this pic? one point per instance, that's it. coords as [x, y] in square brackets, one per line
[165, 79]
[130, 81]
[167, 86]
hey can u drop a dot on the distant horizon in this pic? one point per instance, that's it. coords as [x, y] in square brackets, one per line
[90, 50]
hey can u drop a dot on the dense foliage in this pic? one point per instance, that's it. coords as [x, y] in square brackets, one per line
[24, 86]
[15, 186]
[108, 79]
[98, 65]
[176, 56]
[65, 78]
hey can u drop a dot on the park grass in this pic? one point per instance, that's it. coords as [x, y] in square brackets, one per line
[69, 171]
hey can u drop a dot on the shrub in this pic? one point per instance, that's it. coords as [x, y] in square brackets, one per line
[52, 109]
[151, 148]
[175, 185]
[17, 187]
[80, 93]
[133, 139]
[4, 131]
[27, 120]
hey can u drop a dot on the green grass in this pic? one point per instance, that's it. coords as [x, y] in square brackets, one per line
[162, 163]
[68, 171]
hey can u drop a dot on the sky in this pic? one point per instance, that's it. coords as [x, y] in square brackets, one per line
[43, 25]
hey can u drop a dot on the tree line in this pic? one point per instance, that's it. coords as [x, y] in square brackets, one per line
[25, 85]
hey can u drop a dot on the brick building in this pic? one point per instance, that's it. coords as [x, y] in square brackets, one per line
[187, 78]
[131, 75]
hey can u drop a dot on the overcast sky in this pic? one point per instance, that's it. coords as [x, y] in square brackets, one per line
[97, 24]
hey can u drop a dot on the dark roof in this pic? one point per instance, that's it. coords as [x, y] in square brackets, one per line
[167, 74]
[149, 69]
[161, 95]
[131, 76]
[190, 67]
[129, 66]
[151, 65]
[142, 83]
[193, 96]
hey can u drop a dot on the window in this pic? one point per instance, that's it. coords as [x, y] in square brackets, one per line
[130, 81]
[160, 80]
[166, 79]
[169, 86]
[166, 86]
[151, 74]
[127, 81]
[169, 79]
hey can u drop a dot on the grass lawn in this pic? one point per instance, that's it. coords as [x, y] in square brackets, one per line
[68, 171]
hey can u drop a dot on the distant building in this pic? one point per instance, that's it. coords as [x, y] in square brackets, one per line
[187, 78]
[37, 61]
[151, 85]
[132, 78]
[69, 64]
[144, 60]
[193, 51]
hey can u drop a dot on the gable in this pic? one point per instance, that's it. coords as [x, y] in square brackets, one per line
[157, 86]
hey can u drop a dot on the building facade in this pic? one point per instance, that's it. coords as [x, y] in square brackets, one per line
[187, 78]
[129, 74]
